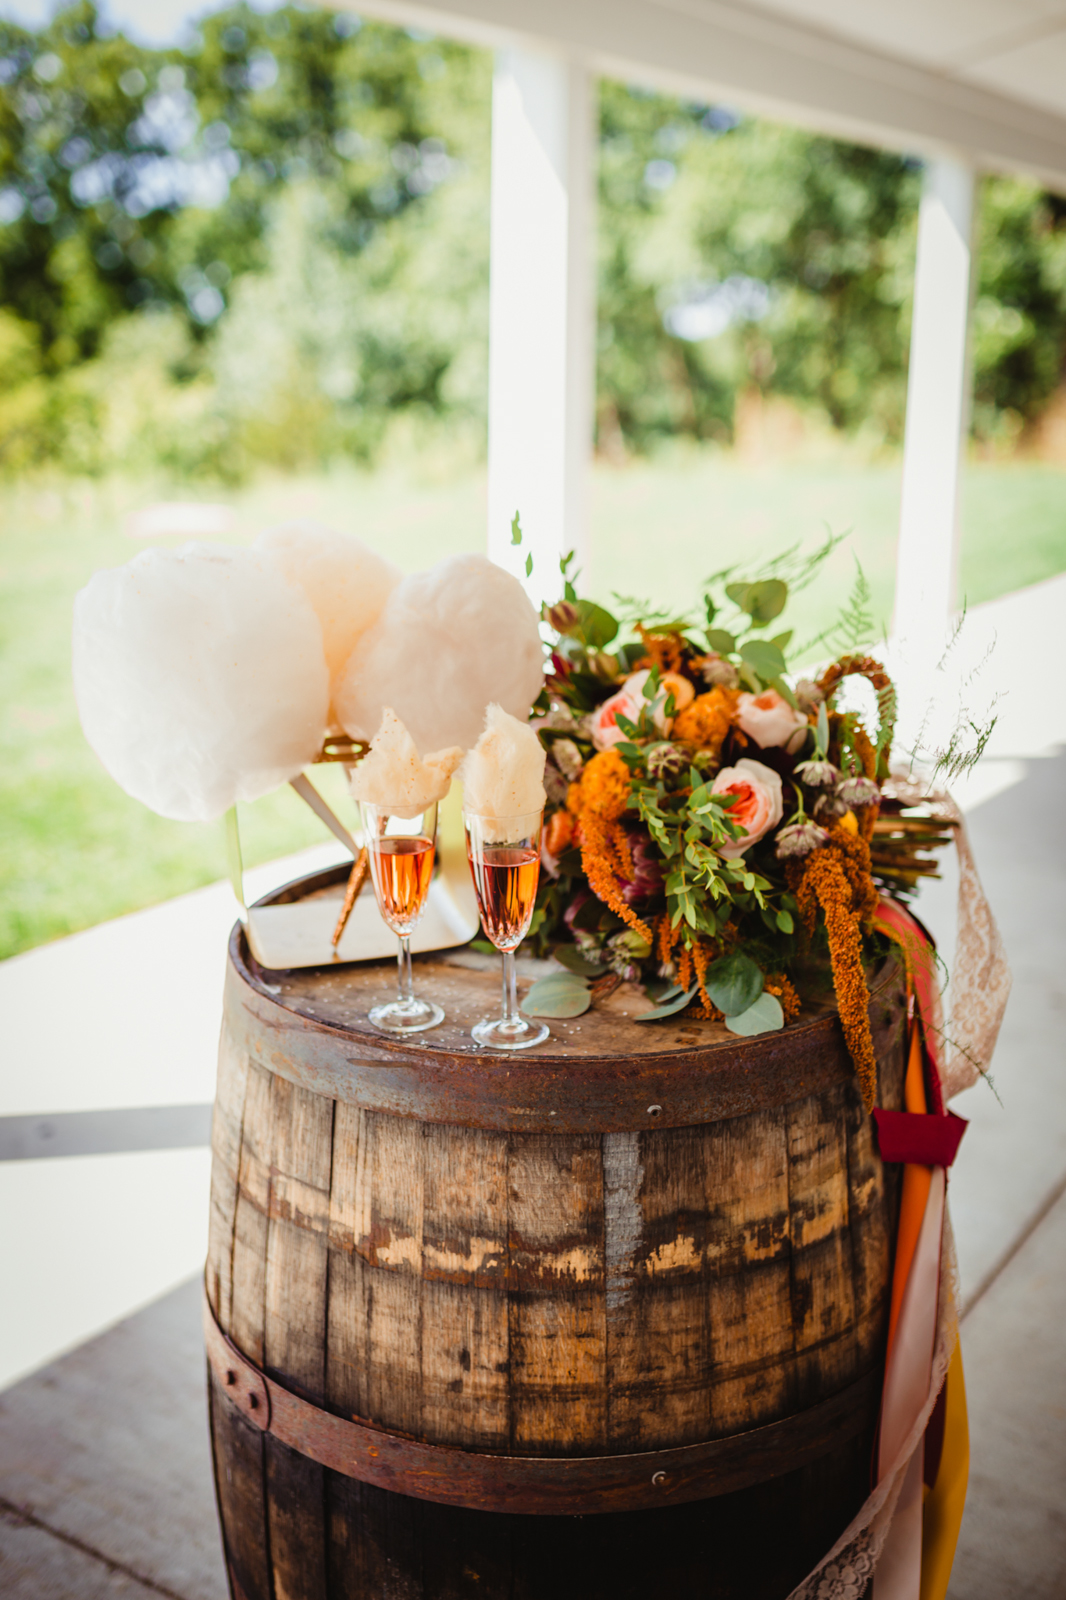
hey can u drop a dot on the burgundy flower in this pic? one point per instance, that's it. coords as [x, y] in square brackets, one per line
[799, 839]
[647, 879]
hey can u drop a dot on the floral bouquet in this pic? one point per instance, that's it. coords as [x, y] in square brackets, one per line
[717, 830]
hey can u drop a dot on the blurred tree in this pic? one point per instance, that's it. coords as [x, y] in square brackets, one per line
[748, 254]
[277, 237]
[1019, 325]
[133, 178]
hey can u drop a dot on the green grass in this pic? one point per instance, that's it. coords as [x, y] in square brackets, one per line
[75, 850]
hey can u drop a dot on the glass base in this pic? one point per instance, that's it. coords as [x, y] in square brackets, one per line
[495, 1034]
[406, 1016]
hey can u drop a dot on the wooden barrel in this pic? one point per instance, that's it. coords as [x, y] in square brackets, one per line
[603, 1320]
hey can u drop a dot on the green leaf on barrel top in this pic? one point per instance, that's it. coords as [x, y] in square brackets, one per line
[763, 1016]
[573, 958]
[733, 983]
[668, 1008]
[560, 994]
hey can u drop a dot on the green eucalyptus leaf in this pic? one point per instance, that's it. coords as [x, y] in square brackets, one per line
[668, 1008]
[785, 692]
[560, 994]
[733, 983]
[821, 731]
[764, 1015]
[764, 657]
[596, 626]
[766, 600]
[516, 530]
[785, 922]
[749, 678]
[587, 916]
[720, 640]
[574, 959]
[783, 640]
[738, 593]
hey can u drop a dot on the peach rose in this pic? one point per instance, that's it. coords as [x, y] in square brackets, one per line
[770, 720]
[629, 702]
[758, 806]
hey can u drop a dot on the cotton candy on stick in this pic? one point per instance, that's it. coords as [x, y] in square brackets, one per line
[346, 582]
[200, 677]
[448, 642]
[503, 775]
[395, 777]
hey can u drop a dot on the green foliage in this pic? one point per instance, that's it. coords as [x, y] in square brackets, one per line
[764, 1015]
[734, 983]
[299, 202]
[560, 994]
[673, 1001]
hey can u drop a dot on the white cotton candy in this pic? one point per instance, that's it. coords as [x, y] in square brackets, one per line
[448, 642]
[346, 582]
[503, 775]
[395, 777]
[200, 677]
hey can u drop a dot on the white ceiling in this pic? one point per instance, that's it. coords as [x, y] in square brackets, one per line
[981, 79]
[1016, 47]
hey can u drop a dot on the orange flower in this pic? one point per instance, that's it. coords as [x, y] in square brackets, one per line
[559, 833]
[837, 880]
[779, 986]
[665, 650]
[706, 722]
[598, 801]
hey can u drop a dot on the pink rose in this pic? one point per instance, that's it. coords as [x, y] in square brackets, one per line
[770, 720]
[629, 702]
[758, 806]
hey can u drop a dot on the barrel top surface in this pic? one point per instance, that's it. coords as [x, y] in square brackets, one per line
[311, 1026]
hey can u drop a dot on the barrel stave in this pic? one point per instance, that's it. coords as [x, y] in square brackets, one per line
[556, 1302]
[465, 1340]
[238, 1449]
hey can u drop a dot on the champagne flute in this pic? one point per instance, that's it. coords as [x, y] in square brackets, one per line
[504, 857]
[401, 851]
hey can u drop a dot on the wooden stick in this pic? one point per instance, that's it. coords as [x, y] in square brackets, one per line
[356, 879]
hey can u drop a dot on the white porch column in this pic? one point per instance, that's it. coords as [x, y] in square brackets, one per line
[541, 312]
[938, 404]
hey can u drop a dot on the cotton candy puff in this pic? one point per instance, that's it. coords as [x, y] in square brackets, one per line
[449, 642]
[346, 582]
[395, 777]
[200, 677]
[503, 775]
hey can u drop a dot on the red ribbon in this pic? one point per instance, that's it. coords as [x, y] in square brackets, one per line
[930, 1141]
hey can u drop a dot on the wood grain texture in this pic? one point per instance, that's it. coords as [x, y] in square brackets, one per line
[557, 1301]
[543, 1293]
[294, 1328]
[237, 1449]
[465, 1396]
[226, 1122]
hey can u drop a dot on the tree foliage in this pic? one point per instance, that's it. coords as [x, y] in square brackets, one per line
[277, 238]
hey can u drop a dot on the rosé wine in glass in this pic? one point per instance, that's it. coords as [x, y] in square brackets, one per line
[401, 852]
[504, 857]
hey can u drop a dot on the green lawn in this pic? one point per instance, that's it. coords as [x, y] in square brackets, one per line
[74, 850]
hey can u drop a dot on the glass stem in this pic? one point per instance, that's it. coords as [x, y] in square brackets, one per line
[405, 985]
[510, 1018]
